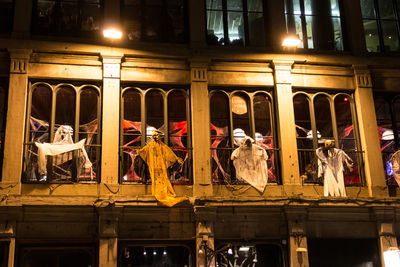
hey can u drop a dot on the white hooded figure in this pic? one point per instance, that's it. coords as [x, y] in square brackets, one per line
[330, 165]
[62, 143]
[250, 161]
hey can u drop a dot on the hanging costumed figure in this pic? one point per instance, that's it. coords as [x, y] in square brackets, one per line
[395, 161]
[158, 157]
[250, 161]
[330, 166]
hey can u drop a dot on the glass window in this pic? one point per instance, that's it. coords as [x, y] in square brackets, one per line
[6, 15]
[381, 25]
[234, 254]
[155, 21]
[62, 140]
[236, 22]
[320, 117]
[56, 256]
[316, 22]
[3, 117]
[234, 115]
[72, 18]
[165, 111]
[154, 255]
[387, 106]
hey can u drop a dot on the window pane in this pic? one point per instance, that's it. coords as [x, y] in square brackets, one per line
[40, 114]
[215, 27]
[303, 122]
[236, 28]
[294, 26]
[240, 117]
[178, 136]
[88, 106]
[154, 113]
[371, 35]
[254, 5]
[344, 123]
[214, 4]
[308, 7]
[335, 9]
[396, 112]
[6, 16]
[65, 107]
[367, 9]
[386, 9]
[390, 36]
[310, 40]
[131, 125]
[130, 16]
[256, 29]
[337, 31]
[220, 141]
[262, 117]
[234, 5]
[323, 117]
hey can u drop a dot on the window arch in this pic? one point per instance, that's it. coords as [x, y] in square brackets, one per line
[233, 115]
[144, 111]
[322, 116]
[62, 114]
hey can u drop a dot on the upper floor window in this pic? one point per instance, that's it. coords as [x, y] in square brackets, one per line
[322, 116]
[71, 18]
[381, 24]
[235, 22]
[316, 22]
[234, 115]
[3, 115]
[62, 141]
[6, 15]
[155, 20]
[387, 108]
[144, 111]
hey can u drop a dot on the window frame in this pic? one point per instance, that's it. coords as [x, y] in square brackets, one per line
[143, 117]
[245, 13]
[54, 87]
[250, 93]
[310, 95]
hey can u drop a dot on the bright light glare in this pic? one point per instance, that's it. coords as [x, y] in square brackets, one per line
[112, 34]
[392, 258]
[291, 41]
[244, 249]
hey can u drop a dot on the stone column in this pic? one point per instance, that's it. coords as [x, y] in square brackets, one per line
[387, 236]
[7, 231]
[200, 111]
[110, 119]
[298, 239]
[373, 166]
[108, 236]
[286, 122]
[16, 115]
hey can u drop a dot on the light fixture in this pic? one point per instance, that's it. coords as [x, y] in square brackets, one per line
[291, 40]
[165, 252]
[154, 252]
[144, 252]
[230, 252]
[112, 33]
[245, 249]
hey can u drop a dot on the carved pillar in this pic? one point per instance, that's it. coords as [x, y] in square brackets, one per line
[15, 128]
[286, 122]
[205, 218]
[387, 238]
[298, 239]
[108, 236]
[373, 166]
[111, 119]
[200, 111]
[7, 231]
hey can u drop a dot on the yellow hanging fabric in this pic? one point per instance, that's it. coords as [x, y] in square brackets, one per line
[159, 157]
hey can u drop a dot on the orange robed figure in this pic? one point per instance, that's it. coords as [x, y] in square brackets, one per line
[159, 157]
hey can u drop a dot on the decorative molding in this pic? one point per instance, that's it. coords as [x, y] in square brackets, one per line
[198, 74]
[362, 76]
[18, 65]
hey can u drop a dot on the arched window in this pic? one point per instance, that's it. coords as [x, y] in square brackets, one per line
[146, 110]
[62, 143]
[387, 108]
[320, 117]
[234, 115]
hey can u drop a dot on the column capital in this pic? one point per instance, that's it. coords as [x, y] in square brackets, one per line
[112, 58]
[19, 60]
[198, 70]
[282, 64]
[362, 76]
[111, 66]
